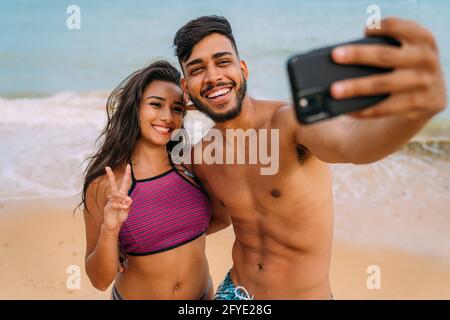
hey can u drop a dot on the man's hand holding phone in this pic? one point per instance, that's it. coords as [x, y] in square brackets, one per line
[416, 84]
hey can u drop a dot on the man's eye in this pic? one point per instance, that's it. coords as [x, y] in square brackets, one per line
[224, 62]
[196, 70]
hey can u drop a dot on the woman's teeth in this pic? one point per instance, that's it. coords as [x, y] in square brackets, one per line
[161, 129]
[218, 93]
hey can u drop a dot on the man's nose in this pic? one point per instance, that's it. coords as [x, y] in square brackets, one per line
[213, 75]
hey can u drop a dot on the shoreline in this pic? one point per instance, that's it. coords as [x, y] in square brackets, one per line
[40, 240]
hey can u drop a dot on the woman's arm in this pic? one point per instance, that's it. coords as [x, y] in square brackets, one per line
[103, 223]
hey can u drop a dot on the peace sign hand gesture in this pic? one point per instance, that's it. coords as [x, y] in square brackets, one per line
[118, 205]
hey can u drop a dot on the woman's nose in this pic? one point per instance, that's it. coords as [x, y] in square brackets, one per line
[165, 114]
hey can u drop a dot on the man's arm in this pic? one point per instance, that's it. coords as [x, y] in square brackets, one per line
[219, 221]
[417, 92]
[359, 141]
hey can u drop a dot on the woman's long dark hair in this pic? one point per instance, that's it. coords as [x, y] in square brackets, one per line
[118, 139]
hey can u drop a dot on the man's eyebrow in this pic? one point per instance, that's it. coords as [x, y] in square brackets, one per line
[215, 56]
[221, 54]
[156, 97]
[195, 61]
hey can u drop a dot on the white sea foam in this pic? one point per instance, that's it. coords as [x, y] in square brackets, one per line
[44, 140]
[67, 109]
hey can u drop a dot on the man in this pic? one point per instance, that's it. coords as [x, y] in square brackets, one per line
[284, 222]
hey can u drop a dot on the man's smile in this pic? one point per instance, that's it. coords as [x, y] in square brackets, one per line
[219, 95]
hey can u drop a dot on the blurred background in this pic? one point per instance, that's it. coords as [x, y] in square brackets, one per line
[53, 86]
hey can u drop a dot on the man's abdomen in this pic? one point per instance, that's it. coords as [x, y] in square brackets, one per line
[269, 275]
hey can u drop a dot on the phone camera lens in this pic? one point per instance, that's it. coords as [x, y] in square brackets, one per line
[304, 102]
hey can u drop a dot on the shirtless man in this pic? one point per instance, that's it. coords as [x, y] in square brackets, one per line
[284, 222]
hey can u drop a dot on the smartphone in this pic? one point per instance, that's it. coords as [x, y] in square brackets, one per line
[311, 75]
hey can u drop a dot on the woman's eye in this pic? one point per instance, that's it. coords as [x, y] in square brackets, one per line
[178, 110]
[155, 104]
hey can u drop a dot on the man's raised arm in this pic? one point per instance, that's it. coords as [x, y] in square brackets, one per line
[417, 92]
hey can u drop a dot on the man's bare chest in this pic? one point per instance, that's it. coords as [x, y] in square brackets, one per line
[242, 187]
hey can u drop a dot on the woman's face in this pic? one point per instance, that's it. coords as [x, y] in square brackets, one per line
[161, 111]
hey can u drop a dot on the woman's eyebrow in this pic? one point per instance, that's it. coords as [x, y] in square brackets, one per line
[163, 99]
[156, 97]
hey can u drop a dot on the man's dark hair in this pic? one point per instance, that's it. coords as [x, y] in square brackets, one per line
[195, 30]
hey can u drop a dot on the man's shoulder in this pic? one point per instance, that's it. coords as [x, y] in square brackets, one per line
[270, 104]
[276, 112]
[283, 116]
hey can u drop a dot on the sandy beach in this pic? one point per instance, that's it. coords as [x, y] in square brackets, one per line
[40, 239]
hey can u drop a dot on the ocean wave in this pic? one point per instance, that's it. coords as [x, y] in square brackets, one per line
[434, 147]
[60, 109]
[432, 141]
[44, 141]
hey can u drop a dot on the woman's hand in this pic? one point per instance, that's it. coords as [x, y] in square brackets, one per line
[118, 205]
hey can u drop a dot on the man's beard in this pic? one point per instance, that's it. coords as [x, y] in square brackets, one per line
[229, 115]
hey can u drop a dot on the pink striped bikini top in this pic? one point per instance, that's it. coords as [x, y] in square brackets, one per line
[167, 211]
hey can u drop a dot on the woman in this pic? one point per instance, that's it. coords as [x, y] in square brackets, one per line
[157, 215]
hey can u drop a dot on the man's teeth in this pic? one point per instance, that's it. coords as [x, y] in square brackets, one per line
[219, 93]
[161, 129]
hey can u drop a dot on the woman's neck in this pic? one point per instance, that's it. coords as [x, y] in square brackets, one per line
[150, 159]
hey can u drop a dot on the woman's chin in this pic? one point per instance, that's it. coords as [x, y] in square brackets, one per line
[157, 140]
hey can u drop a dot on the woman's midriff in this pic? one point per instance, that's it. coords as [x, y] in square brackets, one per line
[180, 273]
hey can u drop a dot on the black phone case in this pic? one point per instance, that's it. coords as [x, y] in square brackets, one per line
[312, 74]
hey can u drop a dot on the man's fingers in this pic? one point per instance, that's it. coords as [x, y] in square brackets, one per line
[403, 30]
[392, 27]
[126, 180]
[385, 56]
[112, 179]
[377, 55]
[392, 82]
[400, 103]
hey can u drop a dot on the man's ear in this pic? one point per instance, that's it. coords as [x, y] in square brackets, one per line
[184, 86]
[244, 69]
[185, 92]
